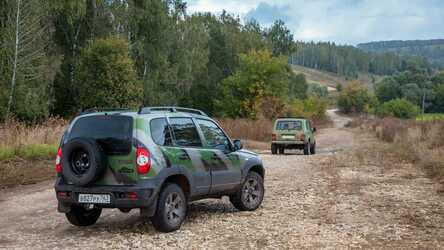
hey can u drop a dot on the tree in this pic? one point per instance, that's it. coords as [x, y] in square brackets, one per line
[281, 39]
[23, 46]
[259, 76]
[354, 98]
[106, 75]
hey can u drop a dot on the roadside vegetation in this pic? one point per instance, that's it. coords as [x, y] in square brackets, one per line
[420, 143]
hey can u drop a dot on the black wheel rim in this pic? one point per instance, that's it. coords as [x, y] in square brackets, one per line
[252, 193]
[174, 208]
[80, 162]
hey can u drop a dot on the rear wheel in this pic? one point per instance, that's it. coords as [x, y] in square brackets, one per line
[251, 194]
[83, 216]
[171, 209]
[307, 148]
[313, 149]
[273, 149]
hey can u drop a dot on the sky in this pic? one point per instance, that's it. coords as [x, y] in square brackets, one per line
[341, 21]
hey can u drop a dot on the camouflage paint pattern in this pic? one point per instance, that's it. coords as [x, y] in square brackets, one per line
[122, 169]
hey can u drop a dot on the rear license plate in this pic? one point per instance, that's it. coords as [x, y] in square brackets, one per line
[95, 198]
[288, 137]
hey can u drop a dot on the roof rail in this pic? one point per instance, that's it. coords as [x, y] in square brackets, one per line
[289, 117]
[147, 110]
[95, 110]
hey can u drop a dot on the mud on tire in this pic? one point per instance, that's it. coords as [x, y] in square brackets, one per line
[171, 209]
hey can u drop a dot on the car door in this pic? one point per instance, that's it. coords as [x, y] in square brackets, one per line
[309, 131]
[218, 156]
[185, 152]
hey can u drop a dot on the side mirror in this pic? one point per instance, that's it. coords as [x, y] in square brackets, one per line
[237, 145]
[314, 129]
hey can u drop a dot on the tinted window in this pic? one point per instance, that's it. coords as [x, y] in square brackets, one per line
[185, 133]
[160, 132]
[113, 133]
[289, 125]
[308, 125]
[214, 136]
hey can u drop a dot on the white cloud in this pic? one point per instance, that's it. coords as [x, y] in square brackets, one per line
[342, 21]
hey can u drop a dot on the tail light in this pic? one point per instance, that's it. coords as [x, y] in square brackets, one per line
[273, 137]
[58, 165]
[143, 160]
[302, 137]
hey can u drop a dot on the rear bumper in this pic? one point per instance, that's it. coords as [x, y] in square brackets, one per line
[146, 192]
[288, 142]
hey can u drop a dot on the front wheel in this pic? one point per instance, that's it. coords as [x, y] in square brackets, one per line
[171, 209]
[251, 194]
[82, 216]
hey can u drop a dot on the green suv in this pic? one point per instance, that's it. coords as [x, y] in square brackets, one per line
[157, 160]
[293, 133]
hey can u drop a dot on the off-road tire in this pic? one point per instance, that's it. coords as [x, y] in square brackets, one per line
[240, 198]
[82, 217]
[307, 148]
[164, 219]
[273, 149]
[313, 149]
[94, 156]
[281, 150]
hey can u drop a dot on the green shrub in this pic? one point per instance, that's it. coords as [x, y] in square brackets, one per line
[400, 108]
[354, 98]
[312, 107]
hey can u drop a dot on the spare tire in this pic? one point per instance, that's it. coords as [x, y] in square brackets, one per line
[82, 161]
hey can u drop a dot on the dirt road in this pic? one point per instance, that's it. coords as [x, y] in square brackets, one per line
[344, 197]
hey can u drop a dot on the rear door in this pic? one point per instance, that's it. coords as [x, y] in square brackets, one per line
[186, 152]
[217, 156]
[114, 134]
[289, 130]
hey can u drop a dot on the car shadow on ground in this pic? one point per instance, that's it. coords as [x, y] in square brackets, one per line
[115, 222]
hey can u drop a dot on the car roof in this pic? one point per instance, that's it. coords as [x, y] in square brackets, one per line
[152, 114]
[291, 119]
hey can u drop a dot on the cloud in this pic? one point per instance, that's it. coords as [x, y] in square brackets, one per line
[266, 13]
[341, 21]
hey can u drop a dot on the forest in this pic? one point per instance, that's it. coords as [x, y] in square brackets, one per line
[60, 56]
[432, 50]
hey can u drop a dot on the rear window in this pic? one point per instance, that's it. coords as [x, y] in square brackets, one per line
[289, 125]
[113, 133]
[160, 132]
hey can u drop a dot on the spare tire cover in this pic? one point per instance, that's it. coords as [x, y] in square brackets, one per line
[82, 161]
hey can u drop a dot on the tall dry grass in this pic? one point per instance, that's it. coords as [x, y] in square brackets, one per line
[257, 130]
[16, 134]
[421, 143]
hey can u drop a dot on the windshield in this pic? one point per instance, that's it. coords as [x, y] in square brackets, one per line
[113, 133]
[289, 125]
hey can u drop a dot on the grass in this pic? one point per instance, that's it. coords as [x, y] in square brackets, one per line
[30, 152]
[27, 152]
[430, 117]
[418, 142]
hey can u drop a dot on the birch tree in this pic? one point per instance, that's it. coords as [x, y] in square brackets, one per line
[24, 44]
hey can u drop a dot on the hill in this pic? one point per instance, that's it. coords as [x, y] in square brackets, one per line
[331, 80]
[433, 50]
